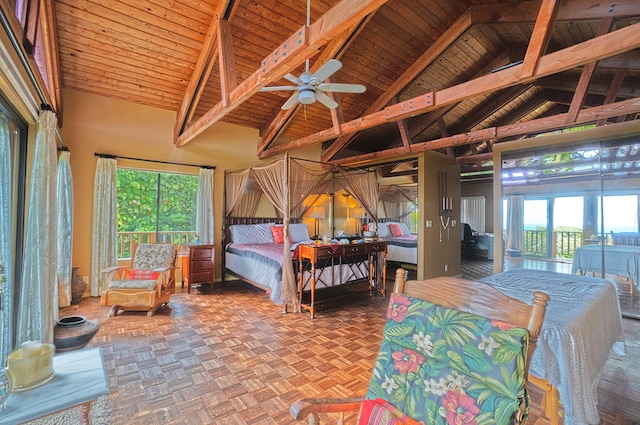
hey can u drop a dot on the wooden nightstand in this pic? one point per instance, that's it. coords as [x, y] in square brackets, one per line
[198, 265]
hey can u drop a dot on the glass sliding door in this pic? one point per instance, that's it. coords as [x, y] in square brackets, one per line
[557, 194]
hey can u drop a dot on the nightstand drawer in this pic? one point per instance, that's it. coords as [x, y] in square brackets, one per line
[203, 277]
[202, 254]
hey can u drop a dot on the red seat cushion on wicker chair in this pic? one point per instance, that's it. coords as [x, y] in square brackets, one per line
[136, 274]
[380, 412]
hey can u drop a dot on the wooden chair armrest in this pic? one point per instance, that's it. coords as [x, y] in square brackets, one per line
[307, 406]
[113, 269]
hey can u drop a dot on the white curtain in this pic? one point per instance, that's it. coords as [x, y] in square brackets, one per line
[65, 229]
[515, 224]
[105, 222]
[204, 206]
[38, 298]
[472, 210]
[6, 266]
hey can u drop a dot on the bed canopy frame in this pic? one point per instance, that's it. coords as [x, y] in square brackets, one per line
[287, 184]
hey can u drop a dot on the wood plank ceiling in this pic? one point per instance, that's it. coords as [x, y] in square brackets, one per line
[453, 76]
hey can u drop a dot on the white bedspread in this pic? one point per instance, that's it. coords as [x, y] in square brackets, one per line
[582, 324]
[621, 260]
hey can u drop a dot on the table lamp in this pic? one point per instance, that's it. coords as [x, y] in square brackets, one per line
[317, 213]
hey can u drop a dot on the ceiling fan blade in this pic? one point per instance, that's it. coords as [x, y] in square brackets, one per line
[276, 88]
[327, 70]
[342, 88]
[291, 102]
[326, 100]
[293, 79]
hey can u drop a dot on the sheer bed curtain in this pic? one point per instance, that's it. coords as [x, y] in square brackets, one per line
[65, 229]
[6, 266]
[38, 300]
[105, 222]
[204, 206]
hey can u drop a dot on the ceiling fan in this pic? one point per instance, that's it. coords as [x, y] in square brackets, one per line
[310, 87]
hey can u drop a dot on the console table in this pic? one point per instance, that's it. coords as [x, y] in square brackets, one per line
[340, 254]
[79, 379]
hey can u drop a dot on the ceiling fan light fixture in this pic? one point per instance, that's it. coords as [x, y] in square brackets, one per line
[306, 96]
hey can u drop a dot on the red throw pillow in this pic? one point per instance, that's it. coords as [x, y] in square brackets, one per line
[278, 234]
[395, 228]
[380, 412]
[143, 274]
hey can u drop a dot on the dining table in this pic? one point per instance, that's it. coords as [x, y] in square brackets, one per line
[582, 325]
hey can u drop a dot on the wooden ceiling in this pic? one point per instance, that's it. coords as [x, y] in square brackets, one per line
[453, 76]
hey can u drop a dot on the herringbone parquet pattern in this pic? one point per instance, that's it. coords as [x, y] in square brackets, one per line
[230, 356]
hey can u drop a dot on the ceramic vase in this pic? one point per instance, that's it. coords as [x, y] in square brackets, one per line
[73, 332]
[77, 286]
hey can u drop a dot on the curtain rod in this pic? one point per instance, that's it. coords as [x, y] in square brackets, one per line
[106, 155]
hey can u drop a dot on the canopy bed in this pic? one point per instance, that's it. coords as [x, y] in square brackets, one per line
[397, 202]
[262, 251]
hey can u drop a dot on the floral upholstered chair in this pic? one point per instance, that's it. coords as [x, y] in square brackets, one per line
[453, 352]
[145, 286]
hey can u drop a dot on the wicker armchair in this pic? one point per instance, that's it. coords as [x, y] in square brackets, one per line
[146, 285]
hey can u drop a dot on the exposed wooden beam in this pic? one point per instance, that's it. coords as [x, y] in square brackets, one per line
[631, 106]
[616, 83]
[226, 60]
[203, 67]
[299, 47]
[610, 44]
[569, 10]
[423, 122]
[540, 37]
[586, 75]
[463, 23]
[597, 86]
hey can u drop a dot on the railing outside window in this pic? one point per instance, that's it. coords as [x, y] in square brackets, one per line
[563, 243]
[126, 240]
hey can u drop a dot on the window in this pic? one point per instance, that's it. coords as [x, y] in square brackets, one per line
[155, 207]
[13, 159]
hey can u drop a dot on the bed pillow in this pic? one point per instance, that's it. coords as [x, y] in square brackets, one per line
[251, 233]
[278, 233]
[383, 230]
[298, 232]
[405, 229]
[395, 229]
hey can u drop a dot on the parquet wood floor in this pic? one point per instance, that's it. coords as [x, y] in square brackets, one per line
[227, 355]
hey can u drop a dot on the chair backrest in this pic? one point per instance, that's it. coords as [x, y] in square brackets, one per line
[455, 347]
[467, 233]
[148, 256]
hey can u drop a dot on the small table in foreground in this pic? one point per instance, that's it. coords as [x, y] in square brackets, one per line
[340, 253]
[79, 379]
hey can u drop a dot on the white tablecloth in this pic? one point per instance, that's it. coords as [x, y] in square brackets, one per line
[621, 260]
[582, 324]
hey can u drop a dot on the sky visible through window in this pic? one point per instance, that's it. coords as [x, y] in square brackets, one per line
[620, 213]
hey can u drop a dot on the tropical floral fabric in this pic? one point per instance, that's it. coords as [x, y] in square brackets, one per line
[444, 366]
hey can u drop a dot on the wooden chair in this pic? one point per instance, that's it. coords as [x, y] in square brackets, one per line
[146, 285]
[625, 238]
[472, 327]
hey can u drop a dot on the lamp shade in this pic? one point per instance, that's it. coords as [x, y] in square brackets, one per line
[317, 212]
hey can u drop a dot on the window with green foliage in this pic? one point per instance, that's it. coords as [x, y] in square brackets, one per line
[155, 207]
